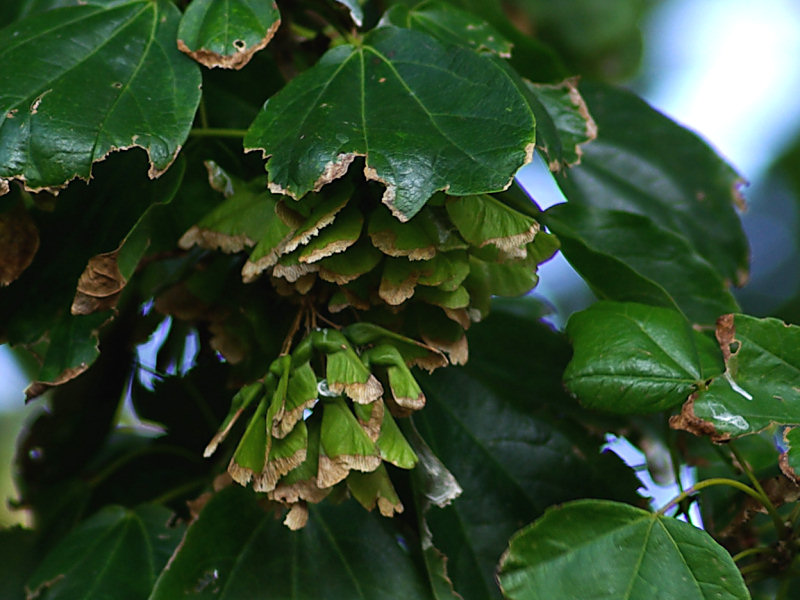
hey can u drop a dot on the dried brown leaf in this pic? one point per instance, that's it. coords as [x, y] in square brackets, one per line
[19, 241]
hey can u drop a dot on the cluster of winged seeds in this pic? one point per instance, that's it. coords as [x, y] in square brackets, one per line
[394, 295]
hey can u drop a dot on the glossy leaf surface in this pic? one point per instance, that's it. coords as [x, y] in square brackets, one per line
[509, 453]
[606, 550]
[119, 82]
[117, 553]
[644, 163]
[761, 382]
[632, 358]
[382, 100]
[659, 266]
[226, 33]
[237, 549]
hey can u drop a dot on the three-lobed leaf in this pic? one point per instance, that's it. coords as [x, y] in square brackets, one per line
[384, 100]
[116, 553]
[237, 549]
[607, 550]
[119, 82]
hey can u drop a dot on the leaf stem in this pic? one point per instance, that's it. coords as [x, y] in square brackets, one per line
[780, 525]
[179, 490]
[217, 132]
[114, 466]
[673, 456]
[742, 487]
[749, 552]
[754, 568]
[287, 342]
[203, 114]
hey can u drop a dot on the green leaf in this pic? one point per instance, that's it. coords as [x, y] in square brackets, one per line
[531, 57]
[344, 267]
[394, 238]
[109, 215]
[336, 238]
[632, 358]
[646, 164]
[73, 346]
[343, 553]
[478, 134]
[251, 454]
[345, 445]
[449, 25]
[413, 351]
[227, 33]
[761, 383]
[116, 553]
[484, 220]
[243, 219]
[606, 550]
[240, 402]
[657, 265]
[393, 446]
[19, 557]
[375, 488]
[512, 456]
[345, 372]
[119, 82]
[600, 40]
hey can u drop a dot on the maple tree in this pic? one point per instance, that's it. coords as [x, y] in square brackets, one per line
[307, 211]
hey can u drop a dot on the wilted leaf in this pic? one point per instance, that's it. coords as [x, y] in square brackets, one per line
[761, 383]
[19, 241]
[563, 122]
[790, 460]
[607, 550]
[116, 553]
[99, 286]
[477, 134]
[633, 358]
[119, 82]
[227, 33]
[342, 553]
[71, 349]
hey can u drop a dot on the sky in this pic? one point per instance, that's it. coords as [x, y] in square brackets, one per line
[730, 71]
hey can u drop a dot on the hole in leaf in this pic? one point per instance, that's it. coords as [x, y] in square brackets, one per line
[239, 45]
[734, 347]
